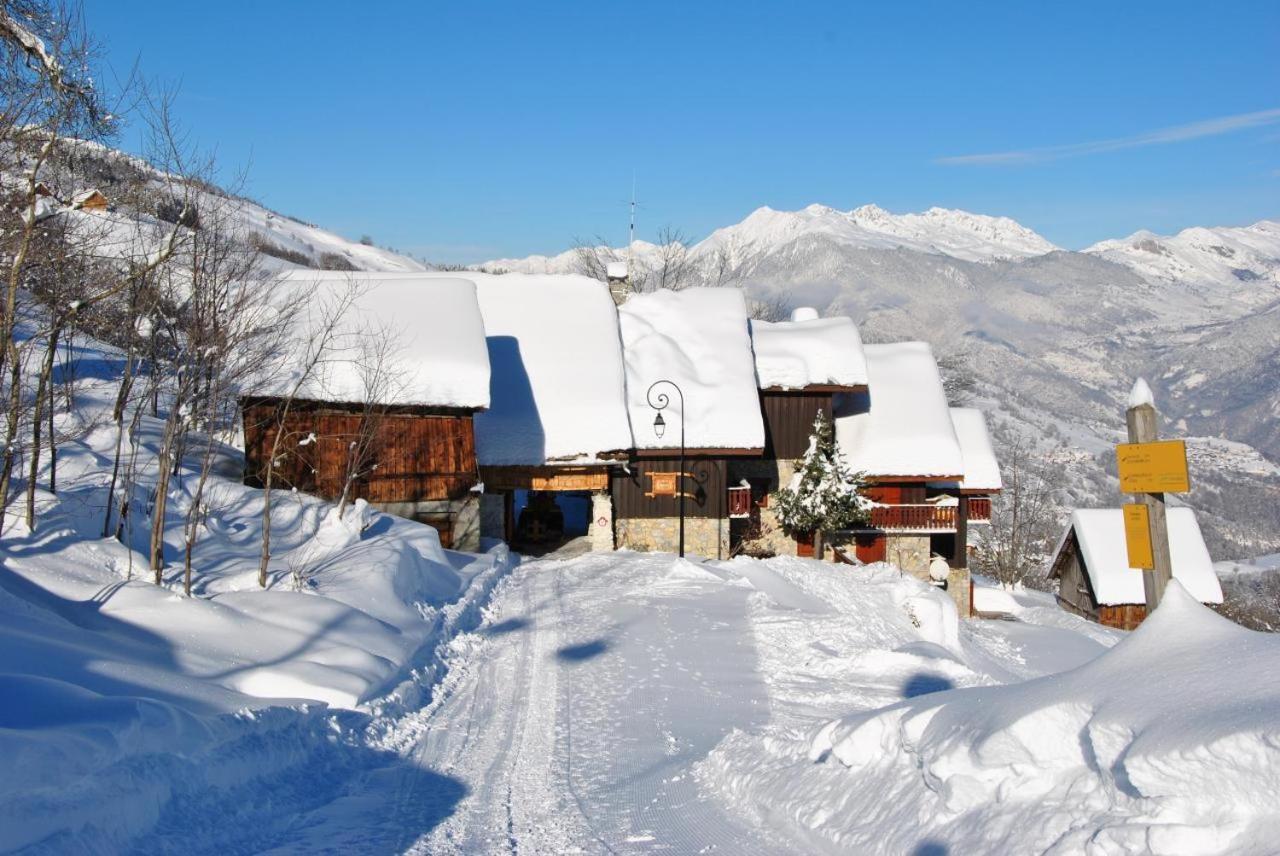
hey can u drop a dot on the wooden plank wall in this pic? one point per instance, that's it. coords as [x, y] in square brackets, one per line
[788, 421]
[1124, 616]
[419, 457]
[628, 490]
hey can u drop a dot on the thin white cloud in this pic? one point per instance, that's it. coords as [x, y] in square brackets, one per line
[1164, 136]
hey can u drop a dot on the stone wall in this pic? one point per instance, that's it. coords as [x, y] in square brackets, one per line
[705, 537]
[493, 516]
[771, 539]
[464, 514]
[909, 552]
[600, 529]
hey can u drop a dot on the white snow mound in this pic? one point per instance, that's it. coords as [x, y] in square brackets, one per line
[1167, 743]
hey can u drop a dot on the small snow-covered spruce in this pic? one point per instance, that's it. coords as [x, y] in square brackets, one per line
[824, 495]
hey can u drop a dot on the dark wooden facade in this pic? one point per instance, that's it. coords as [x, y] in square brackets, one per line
[706, 486]
[422, 453]
[788, 420]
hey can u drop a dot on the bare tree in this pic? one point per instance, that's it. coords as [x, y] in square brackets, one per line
[382, 381]
[670, 266]
[1024, 515]
[673, 269]
[317, 330]
[45, 92]
[774, 308]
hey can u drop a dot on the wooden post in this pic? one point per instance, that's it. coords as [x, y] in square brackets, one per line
[1142, 429]
[960, 555]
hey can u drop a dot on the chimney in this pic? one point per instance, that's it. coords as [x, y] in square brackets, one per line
[619, 283]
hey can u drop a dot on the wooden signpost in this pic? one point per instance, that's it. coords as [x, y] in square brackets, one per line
[1150, 468]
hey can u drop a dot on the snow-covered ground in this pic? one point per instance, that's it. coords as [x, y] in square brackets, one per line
[385, 695]
[123, 700]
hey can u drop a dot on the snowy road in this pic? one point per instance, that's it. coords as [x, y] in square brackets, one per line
[606, 703]
[575, 727]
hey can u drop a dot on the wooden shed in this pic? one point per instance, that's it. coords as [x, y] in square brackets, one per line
[1095, 580]
[408, 447]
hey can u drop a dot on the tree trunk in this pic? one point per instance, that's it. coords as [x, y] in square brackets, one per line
[44, 398]
[122, 398]
[11, 430]
[817, 544]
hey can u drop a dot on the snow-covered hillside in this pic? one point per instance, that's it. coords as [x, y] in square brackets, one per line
[134, 188]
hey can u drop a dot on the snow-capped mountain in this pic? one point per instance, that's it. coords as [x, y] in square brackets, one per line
[1202, 256]
[938, 231]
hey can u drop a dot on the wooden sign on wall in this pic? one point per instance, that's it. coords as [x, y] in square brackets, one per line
[663, 484]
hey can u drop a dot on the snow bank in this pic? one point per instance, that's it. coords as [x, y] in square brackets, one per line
[902, 426]
[1100, 533]
[1167, 743]
[123, 704]
[699, 339]
[981, 469]
[557, 391]
[799, 353]
[431, 327]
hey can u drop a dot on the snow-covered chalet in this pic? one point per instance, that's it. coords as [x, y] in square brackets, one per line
[566, 439]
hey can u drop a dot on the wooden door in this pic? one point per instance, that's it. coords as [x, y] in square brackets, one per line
[869, 548]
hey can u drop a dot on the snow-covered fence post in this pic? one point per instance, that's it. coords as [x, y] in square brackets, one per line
[1141, 419]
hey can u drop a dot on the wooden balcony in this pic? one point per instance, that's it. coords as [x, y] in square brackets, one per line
[925, 517]
[914, 518]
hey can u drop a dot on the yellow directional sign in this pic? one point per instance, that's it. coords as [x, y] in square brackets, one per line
[1137, 536]
[1159, 467]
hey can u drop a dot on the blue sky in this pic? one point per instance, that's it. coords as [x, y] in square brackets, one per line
[466, 131]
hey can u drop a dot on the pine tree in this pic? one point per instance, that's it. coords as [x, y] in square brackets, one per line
[824, 495]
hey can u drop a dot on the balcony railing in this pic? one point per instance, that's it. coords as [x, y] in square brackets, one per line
[979, 509]
[923, 518]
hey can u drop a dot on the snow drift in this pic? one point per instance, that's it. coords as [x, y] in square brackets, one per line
[1167, 743]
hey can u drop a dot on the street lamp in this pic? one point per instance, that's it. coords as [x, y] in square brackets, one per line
[659, 403]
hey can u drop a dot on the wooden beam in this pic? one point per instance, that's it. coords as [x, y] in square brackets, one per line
[1141, 421]
[697, 453]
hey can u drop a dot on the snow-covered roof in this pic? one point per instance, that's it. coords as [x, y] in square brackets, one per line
[699, 339]
[1100, 533]
[981, 469]
[795, 354]
[85, 195]
[437, 355]
[901, 427]
[558, 384]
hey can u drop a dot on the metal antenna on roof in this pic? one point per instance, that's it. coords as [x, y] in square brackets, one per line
[631, 234]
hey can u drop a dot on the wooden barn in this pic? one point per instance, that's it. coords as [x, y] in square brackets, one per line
[1091, 566]
[408, 447]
